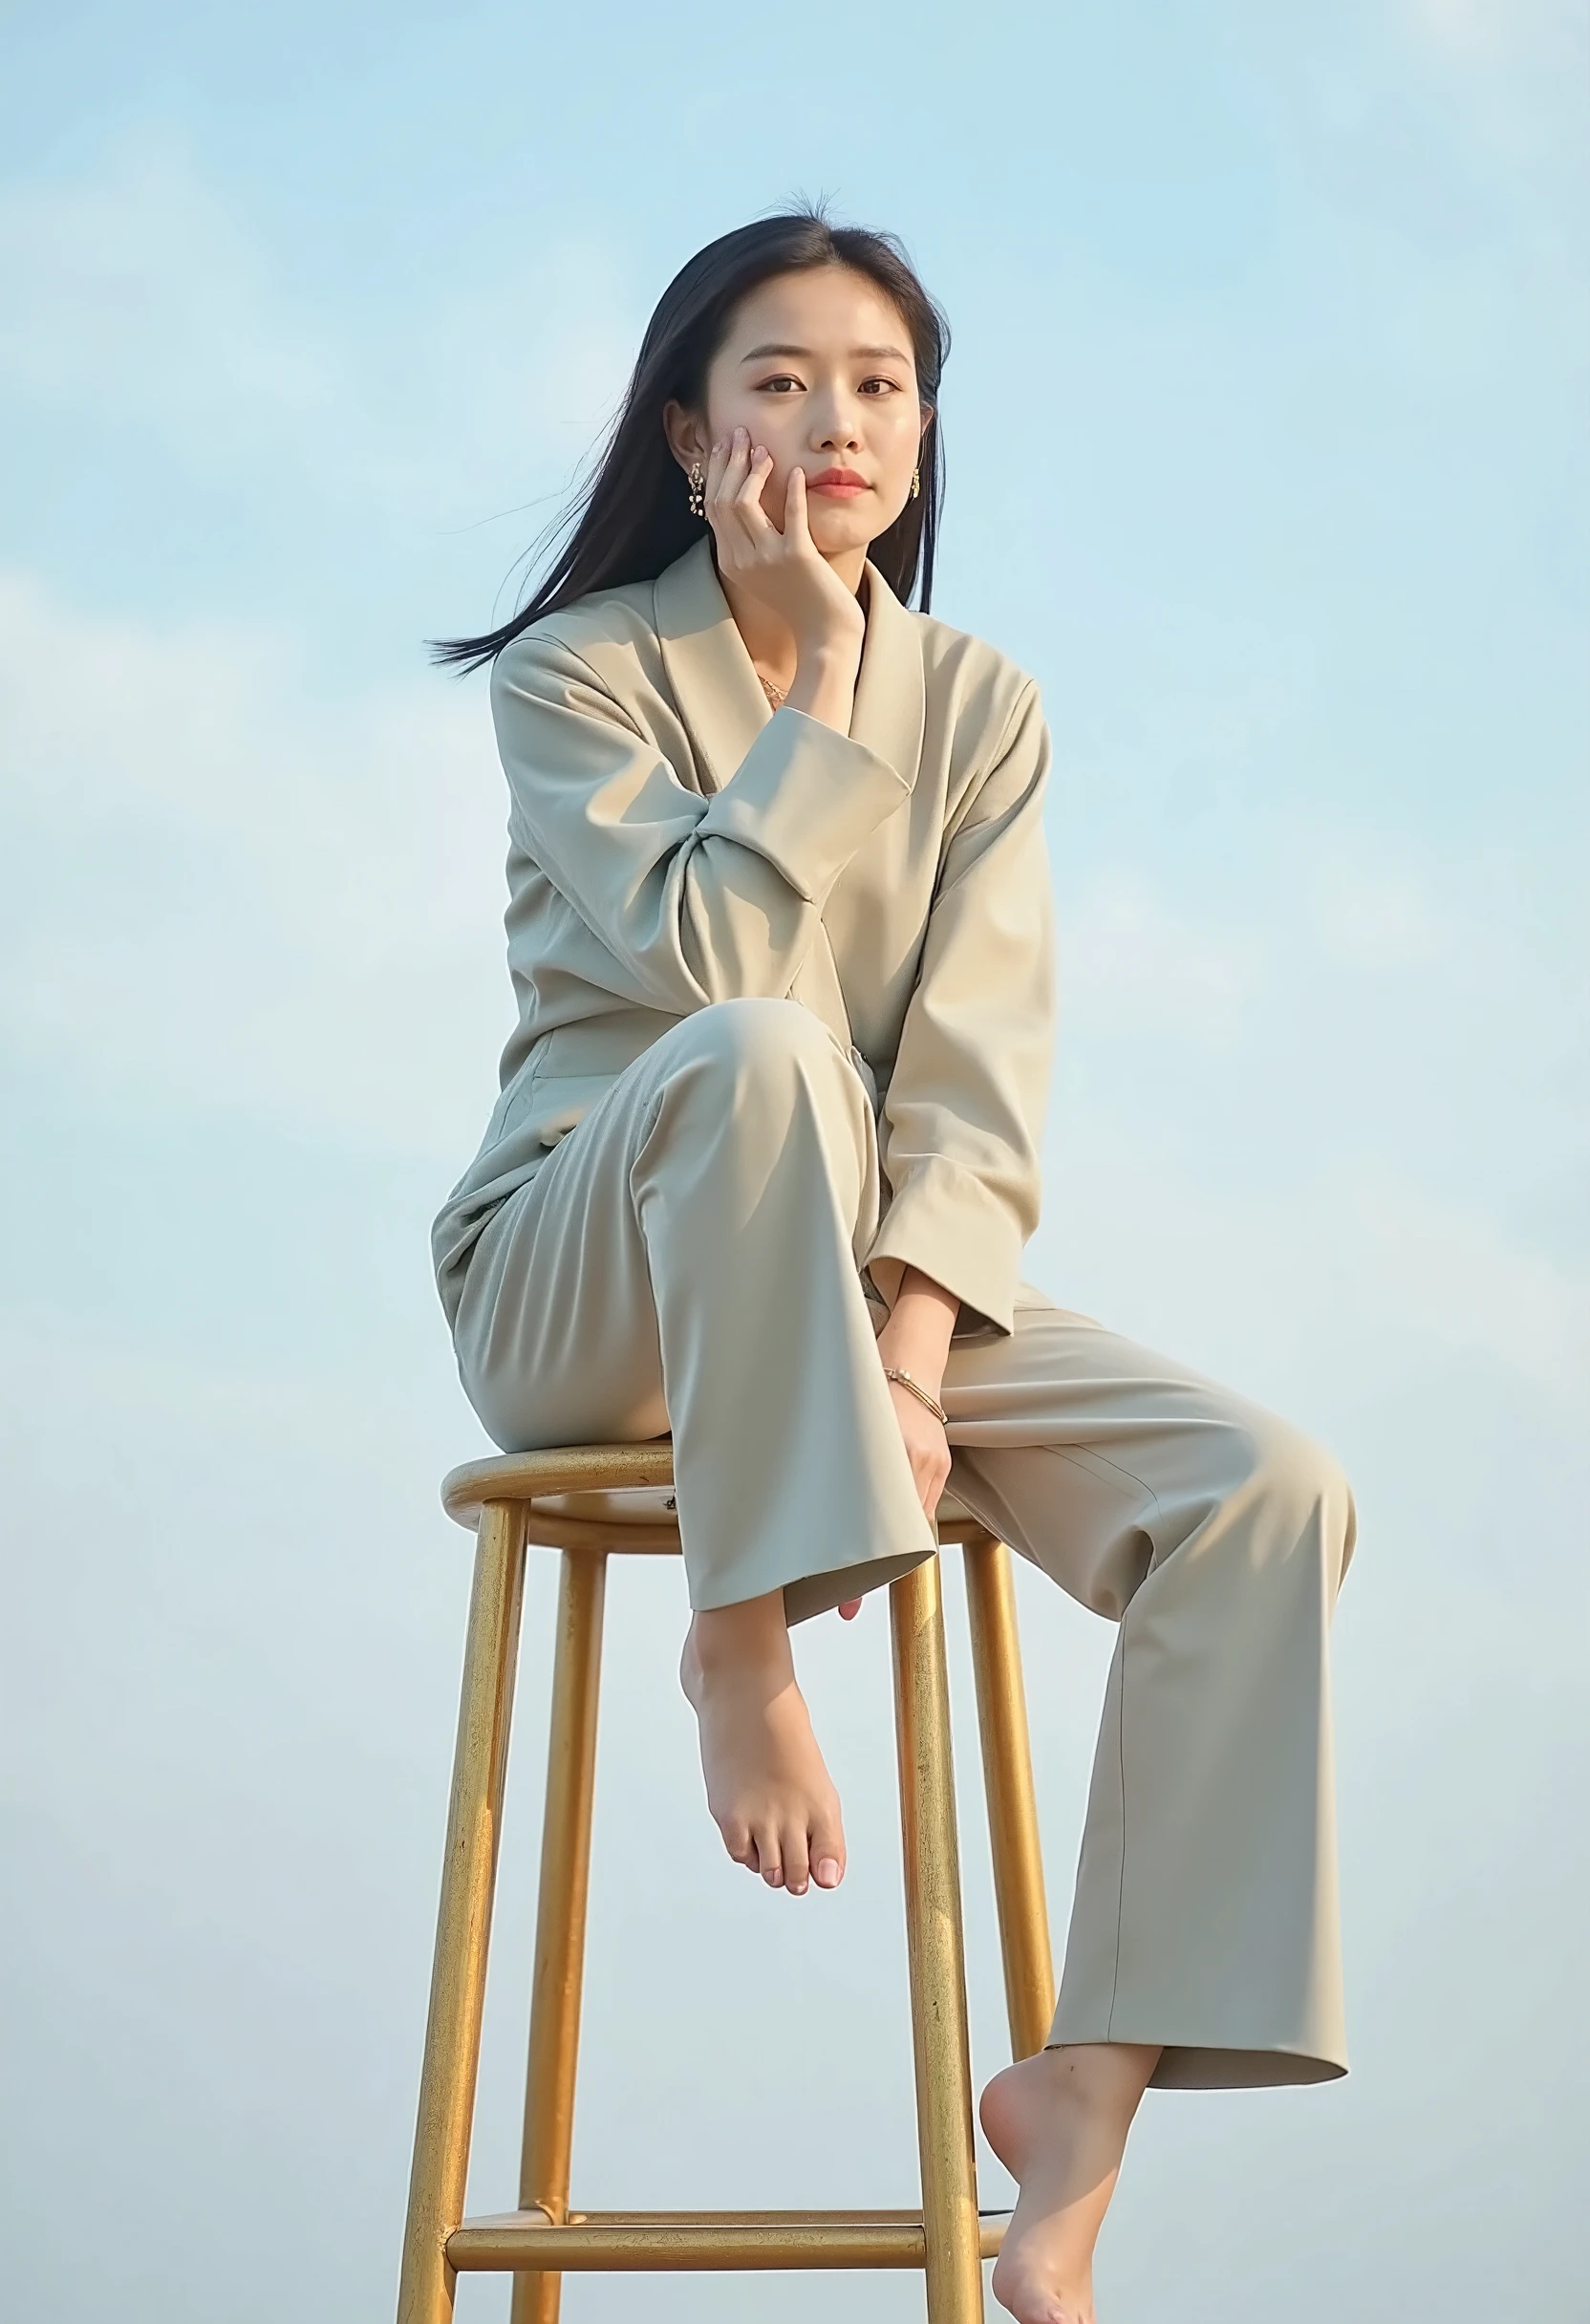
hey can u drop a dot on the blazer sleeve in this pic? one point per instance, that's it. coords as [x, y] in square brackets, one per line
[963, 1114]
[700, 898]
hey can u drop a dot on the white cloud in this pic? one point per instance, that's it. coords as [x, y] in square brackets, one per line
[138, 290]
[1522, 64]
[223, 890]
[1447, 1276]
[1480, 31]
[1374, 916]
[136, 297]
[1342, 1283]
[1266, 1158]
[1129, 961]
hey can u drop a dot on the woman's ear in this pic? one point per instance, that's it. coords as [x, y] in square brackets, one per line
[687, 438]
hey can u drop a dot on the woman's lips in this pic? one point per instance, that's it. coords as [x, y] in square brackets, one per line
[839, 483]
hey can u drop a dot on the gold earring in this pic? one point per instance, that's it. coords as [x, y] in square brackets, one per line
[697, 489]
[915, 482]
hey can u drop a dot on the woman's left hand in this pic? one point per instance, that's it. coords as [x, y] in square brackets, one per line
[928, 1448]
[916, 1337]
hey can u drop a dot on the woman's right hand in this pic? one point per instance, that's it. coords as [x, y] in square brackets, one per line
[783, 569]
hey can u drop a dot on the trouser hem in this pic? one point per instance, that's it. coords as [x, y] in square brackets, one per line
[1185, 2065]
[807, 1593]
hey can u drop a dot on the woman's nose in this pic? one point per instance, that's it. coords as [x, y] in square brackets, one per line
[838, 432]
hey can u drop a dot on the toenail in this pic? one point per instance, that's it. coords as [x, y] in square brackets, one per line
[827, 1873]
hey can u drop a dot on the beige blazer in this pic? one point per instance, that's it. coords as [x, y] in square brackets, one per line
[674, 842]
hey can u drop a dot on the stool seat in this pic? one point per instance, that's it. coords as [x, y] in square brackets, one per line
[589, 1501]
[573, 1495]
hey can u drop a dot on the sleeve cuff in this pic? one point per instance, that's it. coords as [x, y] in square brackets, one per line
[946, 1222]
[804, 796]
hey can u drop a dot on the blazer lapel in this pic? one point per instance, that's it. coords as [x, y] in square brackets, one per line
[719, 695]
[715, 687]
[719, 698]
[890, 690]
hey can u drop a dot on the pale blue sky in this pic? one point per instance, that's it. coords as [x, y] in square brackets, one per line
[1266, 438]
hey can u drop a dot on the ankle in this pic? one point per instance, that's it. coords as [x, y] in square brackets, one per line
[1105, 2080]
[729, 1640]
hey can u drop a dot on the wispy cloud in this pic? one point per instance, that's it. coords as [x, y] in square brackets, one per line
[1523, 65]
[1484, 32]
[1131, 961]
[1373, 914]
[226, 891]
[135, 297]
[135, 292]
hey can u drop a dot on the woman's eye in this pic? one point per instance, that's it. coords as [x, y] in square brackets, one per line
[893, 384]
[784, 379]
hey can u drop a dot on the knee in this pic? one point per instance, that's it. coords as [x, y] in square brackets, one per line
[1303, 1487]
[764, 1046]
[753, 1031]
[746, 1077]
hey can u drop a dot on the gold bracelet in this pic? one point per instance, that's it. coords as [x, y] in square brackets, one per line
[892, 1371]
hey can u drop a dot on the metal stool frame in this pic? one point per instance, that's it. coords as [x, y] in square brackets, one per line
[564, 1499]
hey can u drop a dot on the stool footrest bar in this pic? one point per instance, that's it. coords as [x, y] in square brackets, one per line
[514, 2241]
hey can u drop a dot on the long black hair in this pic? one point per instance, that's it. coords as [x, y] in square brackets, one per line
[633, 518]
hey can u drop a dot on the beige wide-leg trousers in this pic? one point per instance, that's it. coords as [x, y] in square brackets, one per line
[688, 1259]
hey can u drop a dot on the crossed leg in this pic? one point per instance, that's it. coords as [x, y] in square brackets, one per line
[688, 1257]
[676, 1262]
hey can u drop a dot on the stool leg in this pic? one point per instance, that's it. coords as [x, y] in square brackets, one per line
[560, 1917]
[936, 1948]
[1012, 1810]
[463, 1921]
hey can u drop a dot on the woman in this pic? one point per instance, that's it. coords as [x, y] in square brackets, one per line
[766, 1155]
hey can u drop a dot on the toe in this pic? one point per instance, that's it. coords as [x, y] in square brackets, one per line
[828, 1853]
[797, 1868]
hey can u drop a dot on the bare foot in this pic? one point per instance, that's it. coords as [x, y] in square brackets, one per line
[767, 1787]
[1059, 2123]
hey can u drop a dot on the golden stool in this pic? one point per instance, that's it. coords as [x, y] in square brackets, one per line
[586, 1501]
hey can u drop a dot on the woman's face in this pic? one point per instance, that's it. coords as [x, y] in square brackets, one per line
[818, 367]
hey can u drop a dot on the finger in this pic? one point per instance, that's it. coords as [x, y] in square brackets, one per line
[758, 469]
[796, 531]
[732, 475]
[750, 510]
[738, 511]
[849, 1608]
[717, 460]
